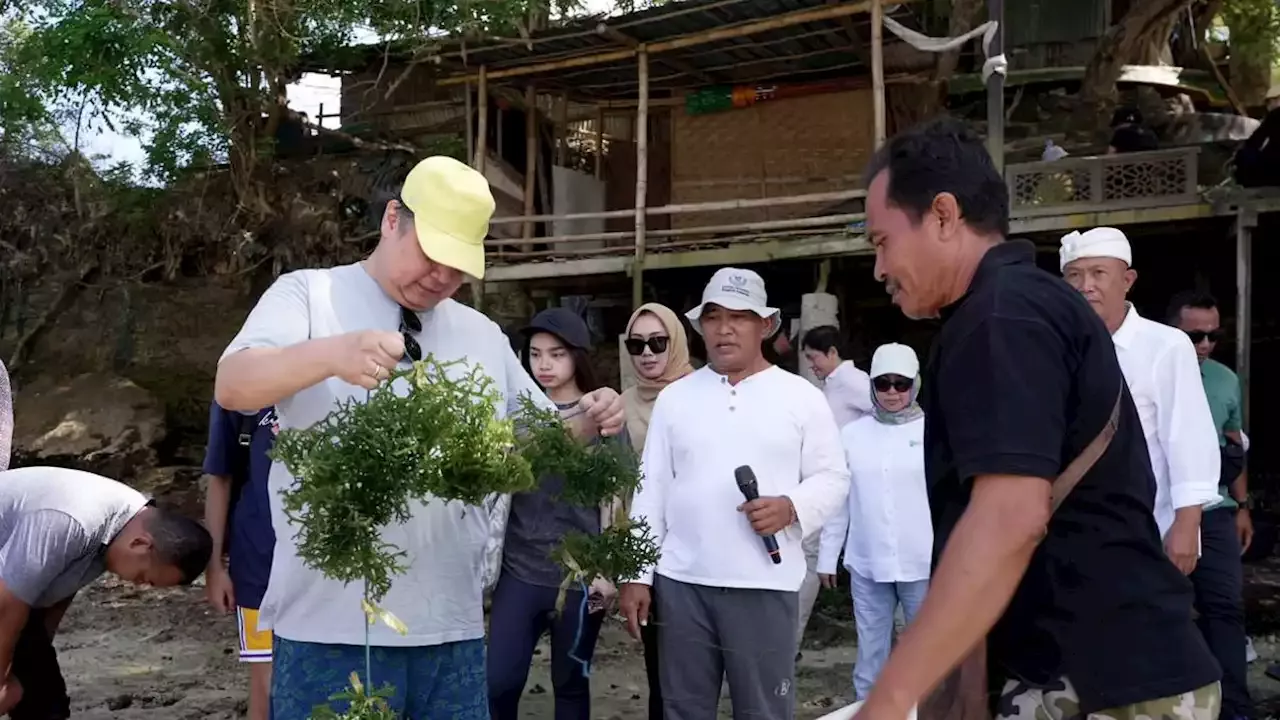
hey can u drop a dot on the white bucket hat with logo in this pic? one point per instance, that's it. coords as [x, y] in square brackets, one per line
[737, 289]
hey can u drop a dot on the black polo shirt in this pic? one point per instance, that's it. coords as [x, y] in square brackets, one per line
[1021, 377]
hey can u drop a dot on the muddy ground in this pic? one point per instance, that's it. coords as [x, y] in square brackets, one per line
[163, 654]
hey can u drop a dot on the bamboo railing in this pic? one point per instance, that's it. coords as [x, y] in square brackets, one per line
[1062, 187]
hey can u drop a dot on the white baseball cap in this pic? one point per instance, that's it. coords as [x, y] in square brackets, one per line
[736, 289]
[895, 359]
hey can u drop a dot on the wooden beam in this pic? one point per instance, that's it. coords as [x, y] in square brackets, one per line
[599, 168]
[877, 72]
[562, 129]
[477, 155]
[471, 131]
[642, 176]
[1245, 222]
[995, 89]
[530, 159]
[482, 123]
[625, 40]
[728, 32]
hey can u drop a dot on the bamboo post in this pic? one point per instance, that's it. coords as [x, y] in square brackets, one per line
[642, 175]
[478, 159]
[562, 129]
[498, 130]
[1245, 221]
[995, 90]
[468, 118]
[599, 141]
[482, 123]
[530, 159]
[877, 71]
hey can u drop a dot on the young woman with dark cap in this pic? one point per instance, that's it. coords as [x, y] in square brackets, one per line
[524, 601]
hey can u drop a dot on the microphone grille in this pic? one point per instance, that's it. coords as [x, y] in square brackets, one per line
[744, 476]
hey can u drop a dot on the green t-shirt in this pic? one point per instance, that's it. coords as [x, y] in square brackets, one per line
[1222, 388]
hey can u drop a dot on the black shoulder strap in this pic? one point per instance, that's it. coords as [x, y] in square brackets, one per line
[244, 440]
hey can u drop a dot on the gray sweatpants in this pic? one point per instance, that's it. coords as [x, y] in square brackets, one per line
[709, 633]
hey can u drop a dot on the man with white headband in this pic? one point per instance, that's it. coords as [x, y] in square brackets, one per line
[728, 607]
[1159, 363]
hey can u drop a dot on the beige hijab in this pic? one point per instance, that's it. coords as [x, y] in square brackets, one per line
[638, 400]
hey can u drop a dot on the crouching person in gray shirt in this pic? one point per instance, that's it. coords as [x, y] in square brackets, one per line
[59, 530]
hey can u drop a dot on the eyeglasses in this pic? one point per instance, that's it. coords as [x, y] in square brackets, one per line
[1199, 336]
[658, 344]
[410, 325]
[885, 384]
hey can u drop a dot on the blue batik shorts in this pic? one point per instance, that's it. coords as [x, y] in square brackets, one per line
[439, 682]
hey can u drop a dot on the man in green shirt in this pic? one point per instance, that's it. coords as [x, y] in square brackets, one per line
[1226, 528]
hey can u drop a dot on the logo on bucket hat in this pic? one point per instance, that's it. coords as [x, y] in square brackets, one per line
[451, 205]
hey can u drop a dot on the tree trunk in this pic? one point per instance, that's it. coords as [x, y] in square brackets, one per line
[1137, 36]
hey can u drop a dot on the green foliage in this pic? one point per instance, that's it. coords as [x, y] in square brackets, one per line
[362, 466]
[363, 706]
[208, 78]
[592, 473]
[619, 553]
[1255, 45]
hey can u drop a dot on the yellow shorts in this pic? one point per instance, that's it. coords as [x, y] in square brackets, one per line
[255, 644]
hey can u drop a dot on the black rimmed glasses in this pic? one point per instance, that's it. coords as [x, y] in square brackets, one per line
[657, 344]
[1199, 336]
[885, 383]
[410, 325]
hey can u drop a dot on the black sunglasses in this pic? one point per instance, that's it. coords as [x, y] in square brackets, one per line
[410, 325]
[885, 383]
[1199, 336]
[658, 344]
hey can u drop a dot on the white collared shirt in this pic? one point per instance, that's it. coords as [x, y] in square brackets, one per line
[1159, 363]
[848, 392]
[884, 528]
[702, 429]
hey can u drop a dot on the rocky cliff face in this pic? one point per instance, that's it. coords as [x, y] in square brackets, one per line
[120, 383]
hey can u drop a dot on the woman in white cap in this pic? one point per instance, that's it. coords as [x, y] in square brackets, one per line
[885, 528]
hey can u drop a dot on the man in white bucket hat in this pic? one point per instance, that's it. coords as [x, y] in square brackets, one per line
[729, 606]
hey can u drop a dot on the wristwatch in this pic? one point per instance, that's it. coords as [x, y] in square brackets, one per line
[1246, 503]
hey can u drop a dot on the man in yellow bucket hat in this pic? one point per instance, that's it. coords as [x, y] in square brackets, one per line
[320, 337]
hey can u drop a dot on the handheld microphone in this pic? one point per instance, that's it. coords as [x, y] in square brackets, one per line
[747, 484]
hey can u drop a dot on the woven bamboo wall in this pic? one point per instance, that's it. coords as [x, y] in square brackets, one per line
[819, 143]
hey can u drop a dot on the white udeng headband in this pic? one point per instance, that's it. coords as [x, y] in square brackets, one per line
[1095, 243]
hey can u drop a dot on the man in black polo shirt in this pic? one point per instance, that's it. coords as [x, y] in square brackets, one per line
[1083, 613]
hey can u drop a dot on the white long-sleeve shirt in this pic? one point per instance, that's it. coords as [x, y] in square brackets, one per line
[1159, 363]
[884, 528]
[848, 392]
[702, 429]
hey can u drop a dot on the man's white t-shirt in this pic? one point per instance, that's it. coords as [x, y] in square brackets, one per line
[439, 598]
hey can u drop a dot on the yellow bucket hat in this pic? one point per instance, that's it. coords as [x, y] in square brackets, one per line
[451, 205]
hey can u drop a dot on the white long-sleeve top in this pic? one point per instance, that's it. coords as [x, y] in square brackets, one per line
[848, 392]
[1159, 363]
[884, 528]
[701, 430]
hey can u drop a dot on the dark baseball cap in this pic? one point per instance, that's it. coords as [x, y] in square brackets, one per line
[563, 323]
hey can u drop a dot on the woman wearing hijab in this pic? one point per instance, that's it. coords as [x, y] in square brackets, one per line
[556, 343]
[885, 529]
[659, 351]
